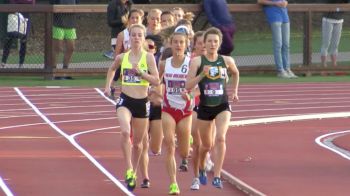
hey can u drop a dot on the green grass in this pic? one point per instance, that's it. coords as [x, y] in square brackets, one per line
[254, 43]
[99, 81]
[78, 57]
[246, 43]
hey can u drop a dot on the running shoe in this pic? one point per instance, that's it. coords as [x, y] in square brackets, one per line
[174, 189]
[109, 54]
[217, 183]
[145, 183]
[184, 165]
[195, 184]
[209, 165]
[130, 179]
[203, 177]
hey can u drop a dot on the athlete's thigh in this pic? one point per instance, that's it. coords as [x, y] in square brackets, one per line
[124, 118]
[205, 131]
[169, 126]
[139, 128]
[222, 121]
[183, 131]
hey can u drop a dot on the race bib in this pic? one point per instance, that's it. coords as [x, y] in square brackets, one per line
[213, 89]
[175, 87]
[130, 76]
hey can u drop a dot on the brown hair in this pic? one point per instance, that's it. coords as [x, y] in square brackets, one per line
[213, 31]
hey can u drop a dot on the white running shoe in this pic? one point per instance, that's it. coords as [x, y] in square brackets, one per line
[291, 74]
[195, 184]
[209, 165]
[283, 74]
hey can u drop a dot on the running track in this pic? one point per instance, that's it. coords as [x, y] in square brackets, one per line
[284, 139]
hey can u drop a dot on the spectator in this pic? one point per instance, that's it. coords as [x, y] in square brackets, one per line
[167, 19]
[117, 16]
[153, 22]
[178, 13]
[23, 36]
[64, 32]
[277, 16]
[220, 17]
[332, 23]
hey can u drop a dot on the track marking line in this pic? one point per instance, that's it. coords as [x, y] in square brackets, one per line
[75, 144]
[290, 118]
[4, 187]
[326, 141]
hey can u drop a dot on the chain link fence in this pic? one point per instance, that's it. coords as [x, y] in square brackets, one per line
[253, 40]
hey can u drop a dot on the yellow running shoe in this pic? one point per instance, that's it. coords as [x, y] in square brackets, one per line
[130, 179]
[174, 189]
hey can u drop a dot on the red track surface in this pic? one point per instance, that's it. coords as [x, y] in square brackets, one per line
[275, 158]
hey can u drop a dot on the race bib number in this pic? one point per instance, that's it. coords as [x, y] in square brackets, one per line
[175, 87]
[213, 89]
[130, 76]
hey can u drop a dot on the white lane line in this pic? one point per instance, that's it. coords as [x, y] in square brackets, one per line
[103, 95]
[294, 108]
[76, 145]
[262, 94]
[56, 122]
[290, 118]
[101, 113]
[4, 187]
[285, 103]
[276, 91]
[326, 141]
[58, 107]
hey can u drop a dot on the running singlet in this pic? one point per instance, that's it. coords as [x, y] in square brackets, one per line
[175, 79]
[129, 75]
[213, 85]
[126, 41]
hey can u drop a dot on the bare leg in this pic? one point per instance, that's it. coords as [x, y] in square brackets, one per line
[156, 136]
[70, 46]
[57, 48]
[124, 117]
[221, 122]
[169, 126]
[144, 157]
[140, 127]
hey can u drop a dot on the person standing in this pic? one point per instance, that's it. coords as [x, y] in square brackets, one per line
[276, 12]
[64, 33]
[332, 24]
[12, 36]
[177, 105]
[138, 71]
[117, 17]
[210, 72]
[220, 17]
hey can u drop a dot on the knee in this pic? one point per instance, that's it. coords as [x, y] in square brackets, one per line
[220, 140]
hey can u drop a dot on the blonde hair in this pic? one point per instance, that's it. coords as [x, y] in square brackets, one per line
[155, 10]
[141, 26]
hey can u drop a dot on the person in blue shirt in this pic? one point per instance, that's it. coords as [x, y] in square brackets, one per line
[276, 12]
[220, 17]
